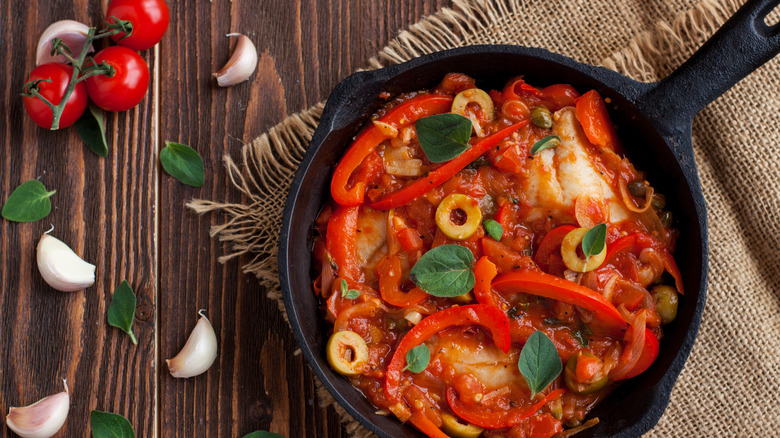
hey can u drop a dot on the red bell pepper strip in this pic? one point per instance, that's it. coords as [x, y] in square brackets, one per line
[550, 286]
[405, 113]
[636, 243]
[389, 271]
[443, 173]
[342, 241]
[550, 244]
[505, 258]
[490, 317]
[426, 426]
[594, 118]
[485, 271]
[559, 95]
[497, 419]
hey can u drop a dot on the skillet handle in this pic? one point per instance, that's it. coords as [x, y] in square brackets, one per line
[739, 47]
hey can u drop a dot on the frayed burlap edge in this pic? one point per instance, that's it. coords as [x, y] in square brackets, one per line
[268, 163]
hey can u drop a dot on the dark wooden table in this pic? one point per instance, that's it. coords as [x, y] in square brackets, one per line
[124, 214]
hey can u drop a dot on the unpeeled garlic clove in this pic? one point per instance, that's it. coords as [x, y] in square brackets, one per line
[61, 267]
[41, 419]
[241, 65]
[198, 353]
[72, 33]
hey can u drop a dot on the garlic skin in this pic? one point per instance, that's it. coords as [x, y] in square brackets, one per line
[72, 33]
[41, 419]
[198, 353]
[241, 65]
[61, 268]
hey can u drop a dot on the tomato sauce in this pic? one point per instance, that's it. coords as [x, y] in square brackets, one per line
[599, 310]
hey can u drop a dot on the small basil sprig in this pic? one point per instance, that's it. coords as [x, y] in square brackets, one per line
[443, 136]
[91, 129]
[548, 142]
[594, 240]
[417, 358]
[263, 434]
[348, 293]
[121, 311]
[445, 271]
[108, 425]
[494, 229]
[28, 203]
[539, 362]
[183, 163]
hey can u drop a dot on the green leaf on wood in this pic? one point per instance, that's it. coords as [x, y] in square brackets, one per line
[28, 203]
[263, 434]
[108, 425]
[121, 312]
[91, 129]
[183, 163]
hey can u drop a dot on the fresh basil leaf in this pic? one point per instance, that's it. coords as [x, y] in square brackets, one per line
[445, 271]
[28, 203]
[548, 142]
[183, 163]
[108, 425]
[443, 136]
[494, 229]
[91, 129]
[263, 434]
[417, 358]
[594, 240]
[121, 311]
[539, 362]
[351, 294]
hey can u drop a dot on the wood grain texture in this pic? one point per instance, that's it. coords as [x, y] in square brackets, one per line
[128, 217]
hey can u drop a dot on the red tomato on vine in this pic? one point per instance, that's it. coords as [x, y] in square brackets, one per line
[52, 80]
[149, 20]
[123, 89]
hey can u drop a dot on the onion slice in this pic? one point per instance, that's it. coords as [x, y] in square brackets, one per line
[72, 33]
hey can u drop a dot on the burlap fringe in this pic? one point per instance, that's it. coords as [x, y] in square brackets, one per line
[270, 161]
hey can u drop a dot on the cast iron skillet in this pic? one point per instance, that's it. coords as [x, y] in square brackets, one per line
[654, 122]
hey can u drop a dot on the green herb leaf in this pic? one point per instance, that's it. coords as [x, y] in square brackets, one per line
[28, 203]
[348, 293]
[183, 163]
[494, 229]
[443, 136]
[594, 240]
[108, 425]
[122, 310]
[91, 129]
[548, 142]
[582, 335]
[539, 362]
[263, 434]
[417, 358]
[445, 271]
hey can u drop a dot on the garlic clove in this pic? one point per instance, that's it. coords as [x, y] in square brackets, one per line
[41, 419]
[241, 65]
[72, 33]
[61, 267]
[198, 353]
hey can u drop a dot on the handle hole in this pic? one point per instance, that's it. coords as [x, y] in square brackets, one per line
[772, 19]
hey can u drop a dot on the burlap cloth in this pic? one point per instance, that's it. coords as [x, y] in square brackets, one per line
[731, 384]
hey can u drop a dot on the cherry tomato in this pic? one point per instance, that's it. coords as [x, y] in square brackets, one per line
[128, 84]
[53, 91]
[149, 17]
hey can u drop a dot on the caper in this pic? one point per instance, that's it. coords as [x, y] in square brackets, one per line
[638, 188]
[592, 385]
[666, 302]
[666, 218]
[541, 117]
[659, 201]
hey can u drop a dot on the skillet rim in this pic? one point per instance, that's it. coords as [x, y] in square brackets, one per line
[677, 140]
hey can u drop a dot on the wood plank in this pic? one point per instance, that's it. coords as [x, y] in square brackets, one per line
[104, 209]
[305, 48]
